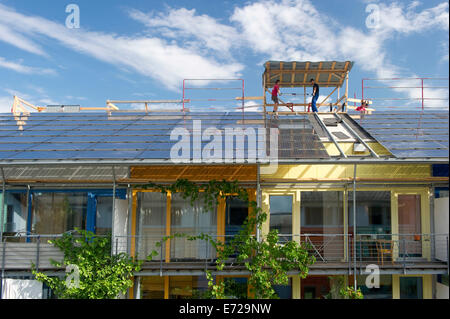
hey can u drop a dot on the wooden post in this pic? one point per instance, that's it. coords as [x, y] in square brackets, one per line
[346, 87]
[304, 98]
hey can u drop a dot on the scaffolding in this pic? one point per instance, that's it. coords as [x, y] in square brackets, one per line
[421, 92]
[327, 74]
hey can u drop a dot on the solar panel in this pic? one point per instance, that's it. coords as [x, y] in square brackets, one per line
[410, 135]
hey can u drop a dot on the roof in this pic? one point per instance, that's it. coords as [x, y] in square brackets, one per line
[298, 74]
[139, 137]
[410, 134]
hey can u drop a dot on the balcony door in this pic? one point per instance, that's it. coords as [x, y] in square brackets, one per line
[409, 225]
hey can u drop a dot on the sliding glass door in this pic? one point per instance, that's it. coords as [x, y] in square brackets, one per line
[409, 225]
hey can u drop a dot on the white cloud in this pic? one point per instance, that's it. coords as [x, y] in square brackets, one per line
[18, 67]
[9, 36]
[199, 46]
[6, 103]
[295, 30]
[183, 24]
[395, 17]
[152, 57]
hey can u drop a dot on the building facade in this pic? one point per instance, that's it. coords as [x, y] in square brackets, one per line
[362, 190]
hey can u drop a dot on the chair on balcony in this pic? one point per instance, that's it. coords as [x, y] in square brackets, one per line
[385, 247]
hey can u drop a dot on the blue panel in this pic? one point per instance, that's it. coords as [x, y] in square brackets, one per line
[440, 170]
[91, 212]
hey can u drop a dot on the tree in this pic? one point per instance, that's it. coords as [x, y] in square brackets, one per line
[101, 275]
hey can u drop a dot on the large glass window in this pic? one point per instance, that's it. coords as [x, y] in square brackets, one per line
[103, 224]
[411, 288]
[15, 218]
[151, 223]
[56, 213]
[383, 292]
[315, 287]
[409, 225]
[281, 215]
[322, 223]
[151, 287]
[373, 212]
[188, 287]
[191, 219]
[284, 291]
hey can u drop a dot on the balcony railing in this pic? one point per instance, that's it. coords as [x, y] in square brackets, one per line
[384, 250]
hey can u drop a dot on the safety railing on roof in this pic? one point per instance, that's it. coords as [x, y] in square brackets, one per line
[406, 94]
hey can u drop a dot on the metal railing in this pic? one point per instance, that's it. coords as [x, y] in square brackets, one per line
[386, 250]
[21, 251]
[393, 249]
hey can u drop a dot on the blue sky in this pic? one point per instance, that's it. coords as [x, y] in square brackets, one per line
[143, 49]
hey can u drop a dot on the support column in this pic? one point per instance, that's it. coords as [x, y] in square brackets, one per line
[296, 288]
[3, 205]
[168, 223]
[354, 227]
[1, 232]
[113, 210]
[346, 88]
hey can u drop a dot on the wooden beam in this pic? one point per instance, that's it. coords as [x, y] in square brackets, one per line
[328, 96]
[318, 73]
[306, 72]
[249, 98]
[293, 73]
[332, 67]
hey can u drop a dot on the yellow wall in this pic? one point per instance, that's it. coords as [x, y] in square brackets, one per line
[347, 147]
[307, 172]
[426, 284]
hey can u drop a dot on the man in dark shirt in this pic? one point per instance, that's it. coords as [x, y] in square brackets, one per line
[315, 95]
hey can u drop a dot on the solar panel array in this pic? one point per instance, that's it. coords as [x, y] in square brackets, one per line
[410, 134]
[140, 135]
[96, 135]
[297, 137]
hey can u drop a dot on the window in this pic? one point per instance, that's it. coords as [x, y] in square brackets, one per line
[187, 287]
[409, 225]
[315, 287]
[383, 292]
[151, 287]
[281, 215]
[103, 224]
[373, 212]
[191, 219]
[56, 213]
[151, 222]
[16, 213]
[322, 222]
[284, 291]
[411, 288]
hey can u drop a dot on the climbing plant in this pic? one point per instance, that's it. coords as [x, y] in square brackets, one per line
[268, 261]
[94, 273]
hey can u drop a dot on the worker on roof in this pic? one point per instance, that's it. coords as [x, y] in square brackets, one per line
[315, 95]
[275, 92]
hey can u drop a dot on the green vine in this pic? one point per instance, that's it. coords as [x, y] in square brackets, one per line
[101, 275]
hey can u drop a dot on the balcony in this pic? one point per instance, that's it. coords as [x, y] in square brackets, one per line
[335, 254]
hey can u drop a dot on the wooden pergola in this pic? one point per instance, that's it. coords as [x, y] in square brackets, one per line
[298, 74]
